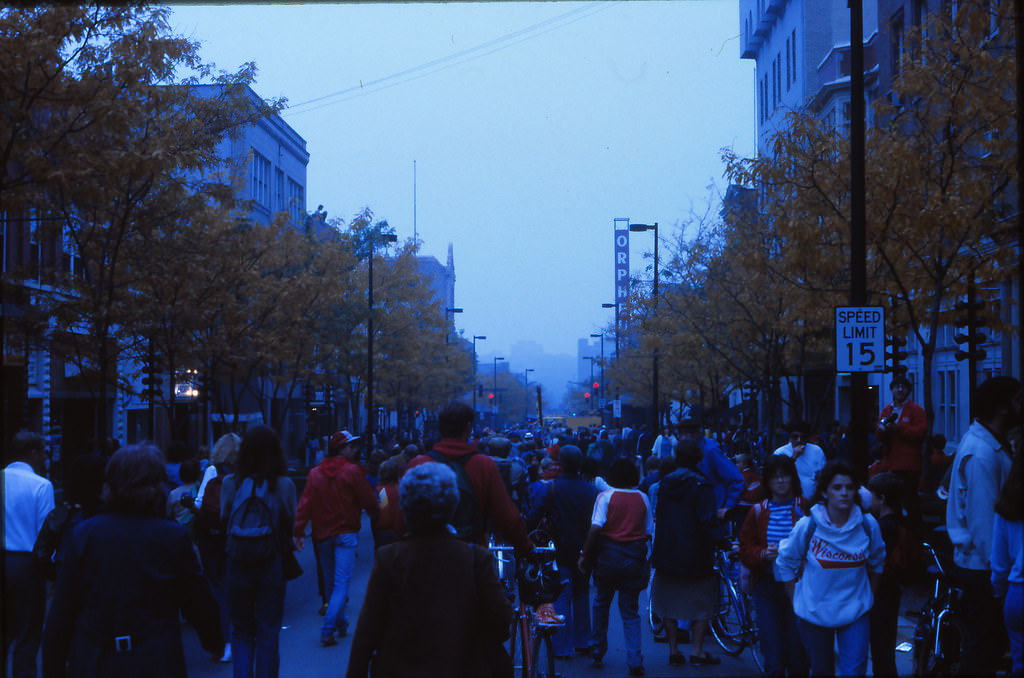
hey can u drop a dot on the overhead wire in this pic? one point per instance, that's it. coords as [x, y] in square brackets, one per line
[458, 58]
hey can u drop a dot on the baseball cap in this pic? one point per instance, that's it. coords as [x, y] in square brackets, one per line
[341, 439]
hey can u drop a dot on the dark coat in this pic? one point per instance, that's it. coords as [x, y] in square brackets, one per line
[432, 604]
[686, 526]
[568, 505]
[127, 575]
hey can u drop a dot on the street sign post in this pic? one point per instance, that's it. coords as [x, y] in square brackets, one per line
[860, 339]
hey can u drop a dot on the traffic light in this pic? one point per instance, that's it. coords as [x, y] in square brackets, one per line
[597, 387]
[490, 396]
[894, 355]
[152, 382]
[586, 396]
[971, 339]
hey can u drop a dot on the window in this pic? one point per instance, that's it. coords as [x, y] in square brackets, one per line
[792, 38]
[279, 197]
[260, 188]
[296, 201]
[846, 118]
[896, 31]
[787, 64]
[946, 420]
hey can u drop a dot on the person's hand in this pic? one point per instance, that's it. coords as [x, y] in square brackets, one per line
[722, 512]
[299, 542]
[582, 565]
[770, 552]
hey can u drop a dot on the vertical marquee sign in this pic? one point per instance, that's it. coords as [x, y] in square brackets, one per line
[621, 264]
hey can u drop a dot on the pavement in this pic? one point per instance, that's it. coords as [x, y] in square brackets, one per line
[302, 656]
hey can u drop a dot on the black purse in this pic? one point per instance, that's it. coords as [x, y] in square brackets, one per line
[290, 565]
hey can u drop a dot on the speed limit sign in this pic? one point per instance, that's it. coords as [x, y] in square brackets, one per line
[860, 339]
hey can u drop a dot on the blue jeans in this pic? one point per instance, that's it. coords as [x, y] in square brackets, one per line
[853, 647]
[337, 556]
[780, 642]
[629, 610]
[23, 609]
[256, 599]
[574, 603]
[1013, 614]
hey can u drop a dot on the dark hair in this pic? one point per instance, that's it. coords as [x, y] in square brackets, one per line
[1010, 504]
[178, 452]
[260, 455]
[992, 395]
[390, 471]
[570, 458]
[689, 452]
[23, 444]
[889, 487]
[136, 481]
[777, 464]
[836, 467]
[83, 480]
[454, 419]
[189, 471]
[623, 474]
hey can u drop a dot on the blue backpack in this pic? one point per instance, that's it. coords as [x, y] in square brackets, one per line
[250, 528]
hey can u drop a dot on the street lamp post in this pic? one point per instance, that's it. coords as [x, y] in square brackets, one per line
[602, 388]
[526, 390]
[615, 354]
[448, 330]
[494, 404]
[655, 398]
[371, 423]
[481, 338]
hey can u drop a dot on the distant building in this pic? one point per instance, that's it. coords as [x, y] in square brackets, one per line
[441, 277]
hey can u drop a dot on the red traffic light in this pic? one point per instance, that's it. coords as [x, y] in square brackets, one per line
[587, 396]
[596, 385]
[490, 396]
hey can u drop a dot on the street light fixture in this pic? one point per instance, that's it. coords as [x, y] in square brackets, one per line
[655, 403]
[448, 331]
[494, 405]
[481, 338]
[371, 423]
[603, 386]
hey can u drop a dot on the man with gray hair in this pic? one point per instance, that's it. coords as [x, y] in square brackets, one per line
[28, 499]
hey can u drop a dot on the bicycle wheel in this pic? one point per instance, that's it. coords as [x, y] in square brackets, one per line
[942, 658]
[753, 637]
[543, 656]
[728, 625]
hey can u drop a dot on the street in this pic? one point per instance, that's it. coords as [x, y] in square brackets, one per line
[302, 656]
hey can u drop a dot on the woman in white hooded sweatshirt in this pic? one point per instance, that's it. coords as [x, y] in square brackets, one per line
[830, 566]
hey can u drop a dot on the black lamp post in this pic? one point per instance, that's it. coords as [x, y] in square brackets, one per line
[481, 338]
[526, 386]
[448, 330]
[371, 419]
[602, 388]
[494, 393]
[655, 404]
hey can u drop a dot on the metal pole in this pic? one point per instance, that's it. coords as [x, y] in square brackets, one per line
[858, 240]
[370, 424]
[655, 387]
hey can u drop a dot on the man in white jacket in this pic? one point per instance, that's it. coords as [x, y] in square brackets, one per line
[979, 470]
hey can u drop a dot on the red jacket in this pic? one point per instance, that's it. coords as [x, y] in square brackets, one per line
[390, 513]
[754, 536]
[335, 495]
[903, 443]
[489, 490]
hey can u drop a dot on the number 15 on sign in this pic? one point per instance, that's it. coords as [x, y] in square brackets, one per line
[860, 339]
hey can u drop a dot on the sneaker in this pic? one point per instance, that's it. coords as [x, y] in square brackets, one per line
[636, 670]
[704, 660]
[341, 630]
[323, 610]
[676, 659]
[226, 657]
[327, 639]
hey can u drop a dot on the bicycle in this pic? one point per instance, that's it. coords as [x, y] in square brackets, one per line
[939, 632]
[734, 625]
[533, 636]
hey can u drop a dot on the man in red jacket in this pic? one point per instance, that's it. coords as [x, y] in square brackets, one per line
[334, 498]
[901, 429]
[490, 505]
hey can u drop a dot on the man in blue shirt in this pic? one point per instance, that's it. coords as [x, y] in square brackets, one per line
[726, 479]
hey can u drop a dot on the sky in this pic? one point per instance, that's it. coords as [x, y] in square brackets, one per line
[532, 126]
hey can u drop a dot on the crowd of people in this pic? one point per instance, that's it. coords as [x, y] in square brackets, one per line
[148, 537]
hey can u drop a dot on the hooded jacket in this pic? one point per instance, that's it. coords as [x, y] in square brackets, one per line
[833, 590]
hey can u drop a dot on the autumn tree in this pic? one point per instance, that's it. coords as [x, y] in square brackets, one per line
[939, 163]
[112, 138]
